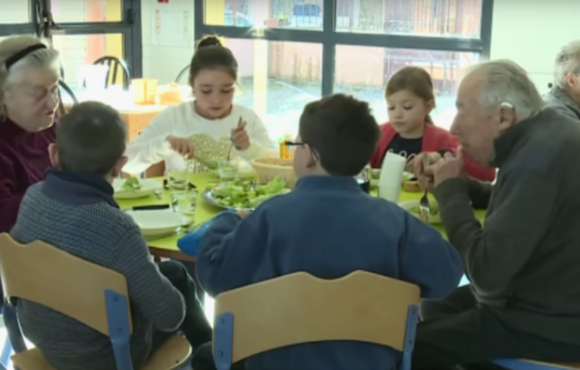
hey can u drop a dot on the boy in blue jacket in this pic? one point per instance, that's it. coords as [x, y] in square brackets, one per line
[329, 227]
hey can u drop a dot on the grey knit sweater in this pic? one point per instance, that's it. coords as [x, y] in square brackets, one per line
[78, 215]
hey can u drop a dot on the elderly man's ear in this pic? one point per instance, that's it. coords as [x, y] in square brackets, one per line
[507, 116]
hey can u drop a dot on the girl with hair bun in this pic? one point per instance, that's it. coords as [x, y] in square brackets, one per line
[206, 127]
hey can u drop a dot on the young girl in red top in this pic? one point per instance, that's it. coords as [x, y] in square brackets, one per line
[410, 130]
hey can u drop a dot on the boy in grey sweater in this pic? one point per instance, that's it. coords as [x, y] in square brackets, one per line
[73, 209]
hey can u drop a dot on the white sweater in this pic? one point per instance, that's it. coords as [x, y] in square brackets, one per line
[151, 145]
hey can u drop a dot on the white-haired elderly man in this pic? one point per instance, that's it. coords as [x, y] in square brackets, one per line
[28, 102]
[565, 95]
[524, 296]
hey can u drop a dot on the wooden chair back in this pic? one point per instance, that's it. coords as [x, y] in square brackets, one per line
[43, 274]
[301, 308]
[114, 65]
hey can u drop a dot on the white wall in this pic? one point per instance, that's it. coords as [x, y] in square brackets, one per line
[164, 62]
[531, 32]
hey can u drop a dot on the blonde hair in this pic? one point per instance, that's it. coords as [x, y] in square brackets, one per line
[567, 62]
[41, 58]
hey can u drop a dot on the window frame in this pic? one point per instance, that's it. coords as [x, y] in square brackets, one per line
[31, 27]
[330, 39]
[129, 27]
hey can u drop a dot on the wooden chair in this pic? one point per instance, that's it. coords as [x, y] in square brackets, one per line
[89, 293]
[114, 64]
[182, 73]
[301, 308]
[62, 86]
[517, 364]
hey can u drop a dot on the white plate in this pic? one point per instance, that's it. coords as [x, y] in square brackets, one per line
[148, 188]
[433, 219]
[159, 222]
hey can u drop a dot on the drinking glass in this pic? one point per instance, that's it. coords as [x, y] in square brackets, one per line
[183, 196]
[227, 170]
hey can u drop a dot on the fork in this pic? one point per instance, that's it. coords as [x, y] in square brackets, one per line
[424, 209]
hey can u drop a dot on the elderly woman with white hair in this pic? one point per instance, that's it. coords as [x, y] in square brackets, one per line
[28, 102]
[523, 300]
[565, 95]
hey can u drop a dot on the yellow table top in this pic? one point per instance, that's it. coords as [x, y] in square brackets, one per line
[205, 211]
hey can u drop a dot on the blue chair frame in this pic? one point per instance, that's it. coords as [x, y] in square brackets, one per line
[118, 324]
[224, 334]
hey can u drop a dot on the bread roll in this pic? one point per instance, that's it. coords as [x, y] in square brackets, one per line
[412, 187]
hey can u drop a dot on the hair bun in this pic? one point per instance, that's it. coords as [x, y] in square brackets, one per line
[208, 41]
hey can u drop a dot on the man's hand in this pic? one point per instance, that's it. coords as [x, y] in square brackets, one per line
[181, 145]
[240, 137]
[449, 167]
[243, 213]
[423, 169]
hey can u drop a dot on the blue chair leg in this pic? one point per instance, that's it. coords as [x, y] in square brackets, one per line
[6, 353]
[13, 329]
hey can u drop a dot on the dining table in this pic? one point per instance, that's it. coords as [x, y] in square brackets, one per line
[166, 247]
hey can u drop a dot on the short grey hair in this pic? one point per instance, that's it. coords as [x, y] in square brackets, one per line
[42, 58]
[507, 82]
[567, 62]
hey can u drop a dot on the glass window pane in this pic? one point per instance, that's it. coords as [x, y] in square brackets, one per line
[73, 11]
[450, 18]
[79, 50]
[367, 81]
[12, 11]
[277, 79]
[302, 14]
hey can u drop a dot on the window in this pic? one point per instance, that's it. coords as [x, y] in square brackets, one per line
[13, 12]
[82, 30]
[277, 79]
[79, 50]
[367, 81]
[16, 17]
[349, 46]
[75, 11]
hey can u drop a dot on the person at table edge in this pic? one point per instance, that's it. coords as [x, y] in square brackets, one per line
[327, 226]
[410, 99]
[565, 95]
[28, 103]
[523, 300]
[212, 117]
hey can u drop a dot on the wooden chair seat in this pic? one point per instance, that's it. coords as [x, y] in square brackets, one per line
[174, 354]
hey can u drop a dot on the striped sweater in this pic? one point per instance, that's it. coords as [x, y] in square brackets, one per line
[78, 215]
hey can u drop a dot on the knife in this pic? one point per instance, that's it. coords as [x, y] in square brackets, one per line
[151, 207]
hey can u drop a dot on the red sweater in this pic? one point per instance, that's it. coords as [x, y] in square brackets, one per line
[434, 139]
[23, 160]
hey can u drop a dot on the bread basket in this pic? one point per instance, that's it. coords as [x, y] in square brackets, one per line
[268, 169]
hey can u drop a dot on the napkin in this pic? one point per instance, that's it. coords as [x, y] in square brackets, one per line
[391, 178]
[189, 244]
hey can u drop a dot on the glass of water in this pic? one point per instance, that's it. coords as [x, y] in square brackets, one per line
[228, 170]
[183, 195]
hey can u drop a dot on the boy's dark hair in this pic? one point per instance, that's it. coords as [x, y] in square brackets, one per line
[342, 131]
[90, 139]
[211, 54]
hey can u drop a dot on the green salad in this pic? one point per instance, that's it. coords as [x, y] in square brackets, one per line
[433, 209]
[131, 184]
[246, 194]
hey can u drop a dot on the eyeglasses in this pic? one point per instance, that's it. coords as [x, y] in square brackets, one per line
[302, 144]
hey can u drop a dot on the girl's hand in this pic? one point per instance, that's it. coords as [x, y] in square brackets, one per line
[181, 145]
[240, 137]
